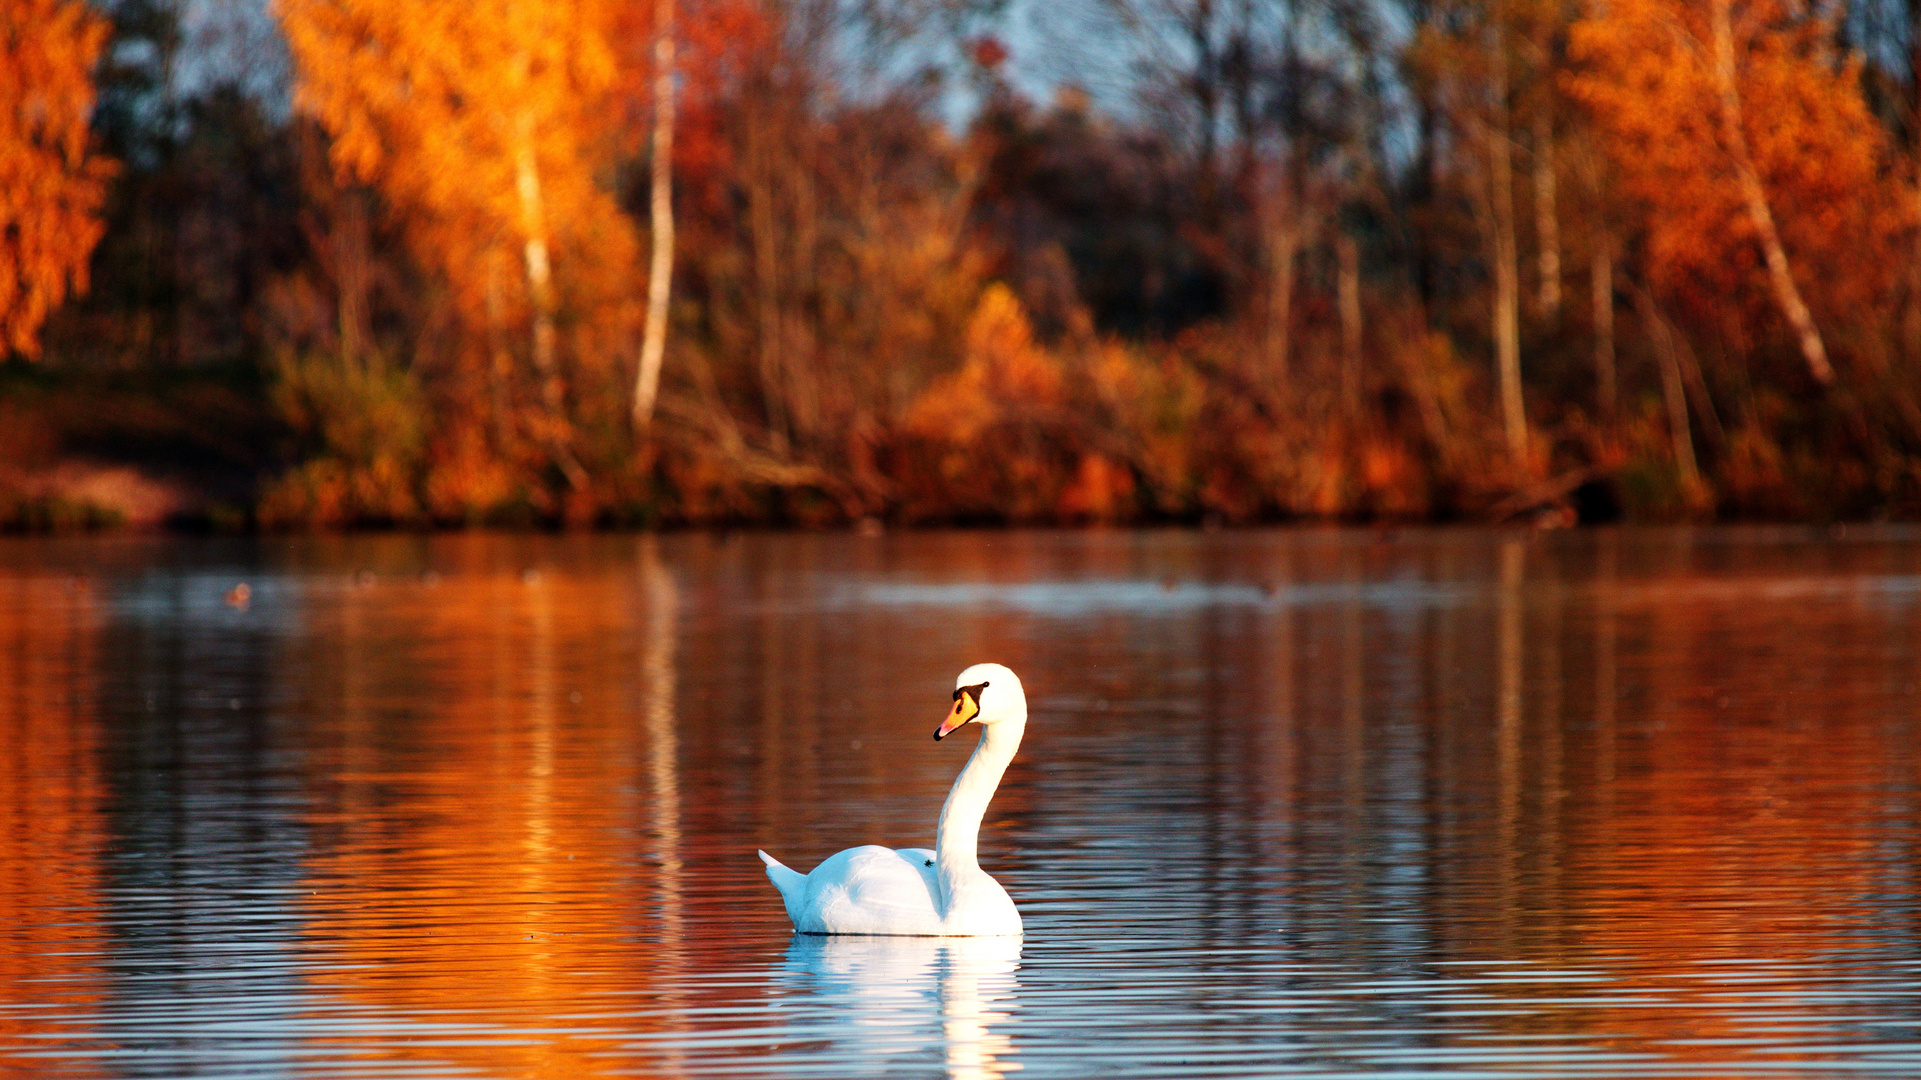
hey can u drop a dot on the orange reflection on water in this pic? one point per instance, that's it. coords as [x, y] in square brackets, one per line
[1555, 816]
[452, 842]
[53, 830]
[1707, 836]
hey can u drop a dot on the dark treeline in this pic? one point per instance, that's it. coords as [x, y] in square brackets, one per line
[1358, 259]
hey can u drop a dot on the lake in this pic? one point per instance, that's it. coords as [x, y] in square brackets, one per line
[1458, 803]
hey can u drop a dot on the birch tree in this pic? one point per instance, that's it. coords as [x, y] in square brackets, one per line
[484, 127]
[1751, 151]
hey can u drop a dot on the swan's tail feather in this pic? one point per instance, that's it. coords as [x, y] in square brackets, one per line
[791, 883]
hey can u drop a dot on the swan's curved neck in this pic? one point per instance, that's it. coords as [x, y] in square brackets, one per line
[960, 816]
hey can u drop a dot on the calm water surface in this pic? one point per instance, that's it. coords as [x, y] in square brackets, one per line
[1448, 803]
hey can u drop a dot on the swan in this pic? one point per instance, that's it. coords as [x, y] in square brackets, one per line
[914, 891]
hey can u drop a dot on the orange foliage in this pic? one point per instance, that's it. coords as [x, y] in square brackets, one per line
[488, 129]
[51, 186]
[1101, 491]
[718, 43]
[1005, 372]
[1644, 71]
[1158, 407]
[837, 350]
[331, 493]
[987, 423]
[467, 482]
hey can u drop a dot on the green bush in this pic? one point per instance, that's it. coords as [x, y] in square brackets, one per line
[363, 434]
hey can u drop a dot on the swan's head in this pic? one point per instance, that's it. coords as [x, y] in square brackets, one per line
[986, 693]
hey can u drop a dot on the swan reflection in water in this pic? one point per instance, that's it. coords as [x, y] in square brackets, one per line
[897, 991]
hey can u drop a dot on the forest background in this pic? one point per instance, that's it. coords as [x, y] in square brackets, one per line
[807, 262]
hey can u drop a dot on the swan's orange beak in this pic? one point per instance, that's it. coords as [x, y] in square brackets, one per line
[965, 709]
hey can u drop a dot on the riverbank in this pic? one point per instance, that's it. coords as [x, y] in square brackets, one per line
[149, 449]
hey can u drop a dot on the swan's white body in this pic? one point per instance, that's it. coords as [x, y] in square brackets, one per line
[914, 891]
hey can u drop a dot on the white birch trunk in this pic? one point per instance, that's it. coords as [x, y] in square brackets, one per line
[660, 273]
[540, 292]
[1787, 296]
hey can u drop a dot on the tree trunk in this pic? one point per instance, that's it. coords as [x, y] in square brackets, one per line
[1283, 243]
[1205, 89]
[1547, 224]
[1913, 8]
[800, 342]
[1672, 391]
[1787, 296]
[349, 255]
[1347, 254]
[338, 233]
[540, 293]
[1602, 272]
[503, 361]
[1415, 356]
[762, 229]
[1697, 385]
[1507, 286]
[353, 288]
[660, 273]
[533, 223]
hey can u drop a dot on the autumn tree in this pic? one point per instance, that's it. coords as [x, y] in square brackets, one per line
[51, 184]
[825, 256]
[485, 127]
[1743, 133]
[1487, 67]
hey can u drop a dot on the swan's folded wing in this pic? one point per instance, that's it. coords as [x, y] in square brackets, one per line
[872, 890]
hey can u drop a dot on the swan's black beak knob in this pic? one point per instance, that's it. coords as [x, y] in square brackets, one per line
[966, 707]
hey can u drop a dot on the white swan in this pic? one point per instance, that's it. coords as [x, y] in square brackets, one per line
[914, 891]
